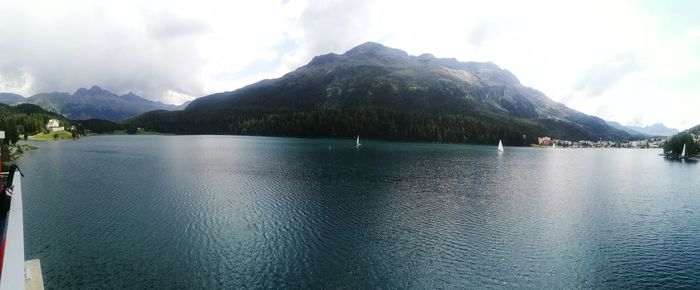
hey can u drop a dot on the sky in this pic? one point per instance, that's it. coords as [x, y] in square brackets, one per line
[634, 62]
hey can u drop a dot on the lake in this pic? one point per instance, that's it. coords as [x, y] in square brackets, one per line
[189, 212]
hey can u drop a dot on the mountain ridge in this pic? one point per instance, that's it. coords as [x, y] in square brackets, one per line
[625, 128]
[94, 102]
[372, 76]
[9, 98]
[656, 130]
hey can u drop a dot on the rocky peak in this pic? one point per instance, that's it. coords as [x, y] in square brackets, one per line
[374, 49]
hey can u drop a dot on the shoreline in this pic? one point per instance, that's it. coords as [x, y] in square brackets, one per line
[15, 152]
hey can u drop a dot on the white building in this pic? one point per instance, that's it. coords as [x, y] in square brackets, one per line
[544, 141]
[53, 126]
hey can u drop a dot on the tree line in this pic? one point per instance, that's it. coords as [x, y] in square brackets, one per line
[369, 123]
[19, 122]
[674, 145]
[25, 119]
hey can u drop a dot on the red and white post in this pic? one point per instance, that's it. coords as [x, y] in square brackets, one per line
[2, 137]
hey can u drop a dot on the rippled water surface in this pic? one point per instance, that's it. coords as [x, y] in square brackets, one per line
[240, 212]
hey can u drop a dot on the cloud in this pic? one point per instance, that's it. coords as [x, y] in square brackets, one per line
[165, 24]
[61, 47]
[483, 31]
[331, 26]
[605, 75]
[620, 60]
[13, 79]
[336, 25]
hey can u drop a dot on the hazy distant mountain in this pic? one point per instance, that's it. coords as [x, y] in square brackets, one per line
[184, 105]
[9, 99]
[627, 129]
[657, 129]
[96, 103]
[385, 93]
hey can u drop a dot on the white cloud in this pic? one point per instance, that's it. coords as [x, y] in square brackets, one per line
[608, 58]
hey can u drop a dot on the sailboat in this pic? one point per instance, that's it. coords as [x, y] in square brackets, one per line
[500, 146]
[683, 153]
[358, 141]
[554, 145]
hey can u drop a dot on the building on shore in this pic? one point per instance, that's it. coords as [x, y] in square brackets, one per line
[53, 126]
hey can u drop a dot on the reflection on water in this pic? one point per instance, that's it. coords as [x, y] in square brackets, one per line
[241, 212]
[692, 161]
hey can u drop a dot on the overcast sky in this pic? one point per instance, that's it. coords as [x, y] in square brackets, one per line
[635, 62]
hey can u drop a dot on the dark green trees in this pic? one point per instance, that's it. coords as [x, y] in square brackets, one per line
[20, 121]
[131, 130]
[675, 144]
[97, 126]
[11, 132]
[369, 123]
[24, 119]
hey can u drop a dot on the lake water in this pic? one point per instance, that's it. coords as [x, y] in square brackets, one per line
[241, 212]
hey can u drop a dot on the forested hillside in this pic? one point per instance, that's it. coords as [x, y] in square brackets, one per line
[382, 92]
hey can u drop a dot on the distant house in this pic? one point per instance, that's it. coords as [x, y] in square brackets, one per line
[544, 141]
[53, 126]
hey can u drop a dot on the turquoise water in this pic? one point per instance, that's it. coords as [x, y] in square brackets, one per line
[175, 212]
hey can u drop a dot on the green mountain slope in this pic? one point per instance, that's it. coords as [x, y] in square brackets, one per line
[25, 118]
[385, 93]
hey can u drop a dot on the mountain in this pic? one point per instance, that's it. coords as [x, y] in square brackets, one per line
[9, 99]
[693, 130]
[627, 129]
[383, 92]
[96, 103]
[184, 105]
[656, 130]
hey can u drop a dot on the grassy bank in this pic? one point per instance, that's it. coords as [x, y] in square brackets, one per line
[139, 131]
[65, 135]
[62, 135]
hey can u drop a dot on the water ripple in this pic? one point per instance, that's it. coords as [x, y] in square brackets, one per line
[246, 212]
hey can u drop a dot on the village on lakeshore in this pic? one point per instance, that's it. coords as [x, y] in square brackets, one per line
[651, 143]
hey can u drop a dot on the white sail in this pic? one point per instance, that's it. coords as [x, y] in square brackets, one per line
[554, 145]
[358, 141]
[500, 146]
[683, 153]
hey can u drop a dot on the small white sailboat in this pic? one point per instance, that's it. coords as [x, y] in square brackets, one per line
[683, 153]
[554, 145]
[357, 143]
[500, 146]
